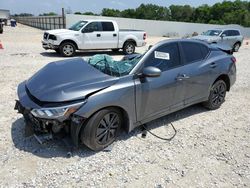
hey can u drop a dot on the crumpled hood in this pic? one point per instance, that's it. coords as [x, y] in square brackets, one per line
[67, 80]
[206, 38]
[61, 32]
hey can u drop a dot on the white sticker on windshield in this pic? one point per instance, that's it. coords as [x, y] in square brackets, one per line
[162, 55]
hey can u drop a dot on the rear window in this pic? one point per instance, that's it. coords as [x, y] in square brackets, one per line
[194, 52]
[234, 33]
[108, 26]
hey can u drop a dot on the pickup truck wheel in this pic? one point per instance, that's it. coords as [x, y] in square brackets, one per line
[67, 49]
[217, 95]
[129, 48]
[102, 129]
[236, 47]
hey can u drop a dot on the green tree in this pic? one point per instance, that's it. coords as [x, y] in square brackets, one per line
[182, 13]
[111, 12]
[152, 12]
[48, 14]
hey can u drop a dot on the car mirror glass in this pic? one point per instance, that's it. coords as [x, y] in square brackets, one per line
[223, 35]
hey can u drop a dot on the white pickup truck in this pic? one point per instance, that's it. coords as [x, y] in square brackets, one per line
[93, 35]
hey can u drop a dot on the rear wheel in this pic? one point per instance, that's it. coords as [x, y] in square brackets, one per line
[67, 49]
[102, 129]
[129, 48]
[217, 95]
[236, 47]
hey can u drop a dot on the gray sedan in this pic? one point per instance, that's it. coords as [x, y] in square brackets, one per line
[92, 101]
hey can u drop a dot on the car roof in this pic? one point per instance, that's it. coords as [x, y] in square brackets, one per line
[180, 40]
[223, 29]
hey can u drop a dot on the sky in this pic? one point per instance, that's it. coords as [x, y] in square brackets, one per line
[41, 6]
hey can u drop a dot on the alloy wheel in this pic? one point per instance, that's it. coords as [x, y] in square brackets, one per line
[107, 128]
[68, 49]
[237, 47]
[218, 94]
[130, 48]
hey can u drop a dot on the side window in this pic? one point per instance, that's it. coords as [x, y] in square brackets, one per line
[204, 50]
[108, 26]
[193, 52]
[165, 57]
[235, 33]
[93, 26]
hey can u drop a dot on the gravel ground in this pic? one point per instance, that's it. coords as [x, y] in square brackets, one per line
[211, 148]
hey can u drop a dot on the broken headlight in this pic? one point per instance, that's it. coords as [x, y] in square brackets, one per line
[56, 112]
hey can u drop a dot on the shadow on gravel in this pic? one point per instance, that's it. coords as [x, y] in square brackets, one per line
[57, 148]
[82, 53]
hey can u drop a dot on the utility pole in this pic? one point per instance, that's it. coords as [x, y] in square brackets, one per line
[63, 18]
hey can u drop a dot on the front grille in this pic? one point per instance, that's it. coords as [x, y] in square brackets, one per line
[45, 36]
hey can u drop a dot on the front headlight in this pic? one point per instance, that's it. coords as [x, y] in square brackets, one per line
[56, 112]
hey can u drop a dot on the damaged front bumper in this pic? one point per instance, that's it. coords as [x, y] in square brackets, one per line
[47, 45]
[45, 129]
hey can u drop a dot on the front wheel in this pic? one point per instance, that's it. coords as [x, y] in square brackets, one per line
[67, 49]
[129, 48]
[217, 95]
[102, 129]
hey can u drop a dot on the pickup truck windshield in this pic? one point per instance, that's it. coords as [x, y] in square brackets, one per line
[77, 26]
[107, 65]
[212, 33]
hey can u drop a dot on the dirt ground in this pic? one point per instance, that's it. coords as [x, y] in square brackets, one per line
[211, 148]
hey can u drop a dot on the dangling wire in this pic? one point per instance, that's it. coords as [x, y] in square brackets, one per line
[167, 139]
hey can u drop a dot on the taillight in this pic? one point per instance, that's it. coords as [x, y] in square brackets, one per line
[144, 36]
[233, 59]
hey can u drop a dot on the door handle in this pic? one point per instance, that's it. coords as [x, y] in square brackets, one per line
[114, 35]
[213, 65]
[182, 77]
[98, 35]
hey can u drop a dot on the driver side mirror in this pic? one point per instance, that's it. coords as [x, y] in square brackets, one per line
[223, 35]
[151, 72]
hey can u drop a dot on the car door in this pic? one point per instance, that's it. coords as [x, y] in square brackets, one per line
[197, 71]
[228, 38]
[91, 36]
[156, 96]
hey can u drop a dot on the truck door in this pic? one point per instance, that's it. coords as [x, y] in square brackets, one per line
[91, 36]
[109, 36]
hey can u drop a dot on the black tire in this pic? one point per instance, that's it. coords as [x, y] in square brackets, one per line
[57, 50]
[236, 47]
[67, 49]
[116, 50]
[217, 95]
[129, 48]
[99, 131]
[1, 31]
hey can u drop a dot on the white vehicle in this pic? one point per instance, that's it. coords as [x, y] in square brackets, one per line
[93, 35]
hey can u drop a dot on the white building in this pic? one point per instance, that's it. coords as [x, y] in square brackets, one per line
[4, 14]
